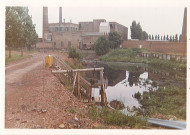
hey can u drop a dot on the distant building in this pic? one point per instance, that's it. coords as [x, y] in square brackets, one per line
[82, 35]
[104, 27]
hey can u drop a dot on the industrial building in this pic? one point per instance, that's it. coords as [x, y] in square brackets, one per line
[82, 35]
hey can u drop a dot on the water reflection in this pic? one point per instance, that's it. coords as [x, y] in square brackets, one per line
[125, 89]
[124, 80]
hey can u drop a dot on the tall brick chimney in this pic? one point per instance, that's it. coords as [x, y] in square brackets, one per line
[45, 20]
[184, 28]
[60, 15]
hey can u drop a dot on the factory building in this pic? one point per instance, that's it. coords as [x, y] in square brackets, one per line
[83, 35]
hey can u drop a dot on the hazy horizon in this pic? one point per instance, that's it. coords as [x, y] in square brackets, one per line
[155, 16]
[154, 21]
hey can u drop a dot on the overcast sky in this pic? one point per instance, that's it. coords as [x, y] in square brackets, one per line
[155, 16]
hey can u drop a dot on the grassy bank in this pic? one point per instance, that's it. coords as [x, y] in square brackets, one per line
[15, 56]
[166, 101]
[115, 118]
[130, 55]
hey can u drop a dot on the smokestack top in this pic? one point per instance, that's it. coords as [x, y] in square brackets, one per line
[60, 15]
[184, 27]
[45, 20]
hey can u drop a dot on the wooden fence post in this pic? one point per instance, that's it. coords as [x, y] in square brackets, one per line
[89, 95]
[78, 86]
[102, 90]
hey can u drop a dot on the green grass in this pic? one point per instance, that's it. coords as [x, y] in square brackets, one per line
[15, 56]
[114, 117]
[76, 64]
[166, 101]
[130, 55]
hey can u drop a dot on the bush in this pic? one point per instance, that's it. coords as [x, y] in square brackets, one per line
[115, 40]
[101, 46]
[137, 95]
[73, 53]
[166, 101]
[117, 104]
[114, 117]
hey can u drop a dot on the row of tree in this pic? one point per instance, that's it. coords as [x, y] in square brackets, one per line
[103, 44]
[167, 37]
[20, 31]
[138, 33]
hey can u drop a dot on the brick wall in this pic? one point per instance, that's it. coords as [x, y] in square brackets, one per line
[46, 45]
[62, 39]
[158, 46]
[122, 30]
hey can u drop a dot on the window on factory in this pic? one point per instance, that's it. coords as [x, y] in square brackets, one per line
[69, 43]
[57, 29]
[49, 37]
[80, 26]
[62, 43]
[112, 26]
[66, 29]
[50, 29]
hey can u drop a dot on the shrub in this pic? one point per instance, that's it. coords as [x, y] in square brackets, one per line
[114, 117]
[115, 40]
[101, 46]
[73, 53]
[117, 104]
[137, 95]
[166, 101]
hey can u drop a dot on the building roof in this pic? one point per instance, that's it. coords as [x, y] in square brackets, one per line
[104, 24]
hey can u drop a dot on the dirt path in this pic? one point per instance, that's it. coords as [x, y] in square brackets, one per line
[30, 104]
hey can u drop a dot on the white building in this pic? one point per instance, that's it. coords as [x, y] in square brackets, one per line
[104, 27]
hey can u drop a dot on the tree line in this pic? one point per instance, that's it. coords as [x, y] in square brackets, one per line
[138, 33]
[19, 30]
[173, 38]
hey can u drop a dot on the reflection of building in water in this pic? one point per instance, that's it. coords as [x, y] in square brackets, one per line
[115, 76]
[133, 78]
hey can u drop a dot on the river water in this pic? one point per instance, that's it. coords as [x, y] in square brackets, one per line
[126, 79]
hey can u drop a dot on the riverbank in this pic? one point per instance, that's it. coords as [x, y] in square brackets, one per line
[130, 55]
[164, 103]
[115, 118]
[107, 117]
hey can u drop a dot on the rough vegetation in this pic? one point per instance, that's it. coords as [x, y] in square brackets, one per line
[114, 117]
[130, 55]
[73, 53]
[101, 46]
[165, 101]
[137, 95]
[114, 40]
[117, 104]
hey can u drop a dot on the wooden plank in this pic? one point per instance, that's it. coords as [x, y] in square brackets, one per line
[90, 94]
[85, 81]
[63, 64]
[78, 70]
